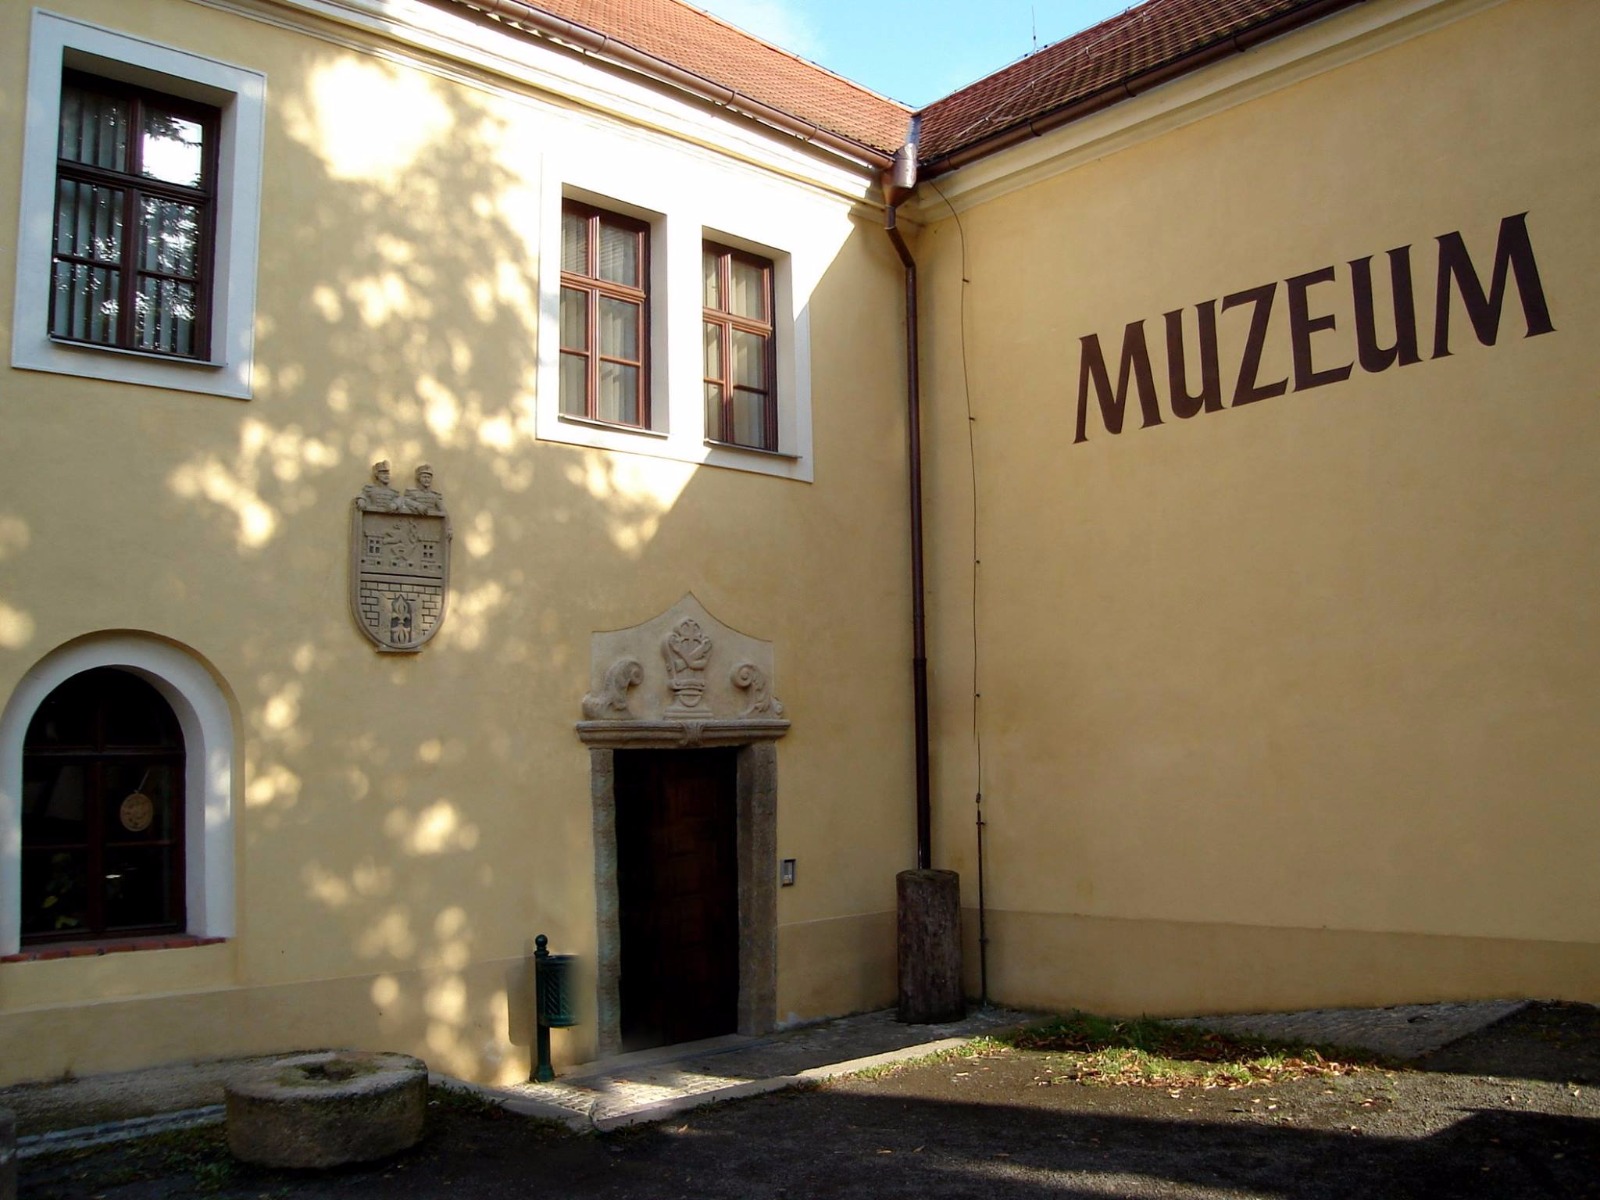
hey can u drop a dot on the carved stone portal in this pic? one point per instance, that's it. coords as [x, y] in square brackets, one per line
[681, 679]
[685, 679]
[399, 561]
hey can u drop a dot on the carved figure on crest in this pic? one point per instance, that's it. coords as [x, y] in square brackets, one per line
[378, 496]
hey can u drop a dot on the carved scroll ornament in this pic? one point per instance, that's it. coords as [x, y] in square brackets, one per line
[751, 680]
[611, 703]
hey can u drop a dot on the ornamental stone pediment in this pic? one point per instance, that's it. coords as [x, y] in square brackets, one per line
[682, 678]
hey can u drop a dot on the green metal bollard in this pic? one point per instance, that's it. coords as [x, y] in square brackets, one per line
[554, 1004]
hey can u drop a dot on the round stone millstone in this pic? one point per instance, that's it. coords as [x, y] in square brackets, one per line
[326, 1108]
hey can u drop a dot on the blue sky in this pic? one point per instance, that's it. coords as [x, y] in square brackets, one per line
[912, 50]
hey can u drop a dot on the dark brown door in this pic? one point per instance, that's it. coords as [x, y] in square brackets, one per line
[678, 895]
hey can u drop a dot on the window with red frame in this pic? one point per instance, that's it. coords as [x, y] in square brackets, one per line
[604, 319]
[741, 401]
[102, 811]
[135, 205]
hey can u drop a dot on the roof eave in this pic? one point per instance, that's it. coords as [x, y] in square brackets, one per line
[525, 16]
[1041, 123]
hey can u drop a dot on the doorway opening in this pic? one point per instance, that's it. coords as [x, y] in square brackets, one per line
[647, 797]
[677, 895]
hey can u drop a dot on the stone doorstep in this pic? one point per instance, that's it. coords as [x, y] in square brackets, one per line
[581, 1109]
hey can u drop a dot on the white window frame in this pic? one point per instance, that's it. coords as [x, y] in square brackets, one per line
[207, 722]
[239, 93]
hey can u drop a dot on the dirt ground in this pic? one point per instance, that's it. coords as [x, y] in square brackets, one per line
[1510, 1112]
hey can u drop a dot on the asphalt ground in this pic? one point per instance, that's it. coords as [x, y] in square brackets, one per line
[1509, 1111]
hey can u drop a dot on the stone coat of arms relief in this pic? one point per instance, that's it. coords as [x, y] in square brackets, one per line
[399, 561]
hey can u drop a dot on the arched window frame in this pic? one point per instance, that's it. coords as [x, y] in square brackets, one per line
[206, 720]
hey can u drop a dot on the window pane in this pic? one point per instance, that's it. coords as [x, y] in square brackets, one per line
[574, 385]
[619, 254]
[94, 128]
[170, 237]
[714, 351]
[749, 359]
[574, 319]
[749, 418]
[136, 888]
[136, 714]
[714, 412]
[619, 329]
[164, 316]
[619, 393]
[575, 243]
[748, 283]
[712, 282]
[88, 220]
[84, 303]
[173, 148]
[66, 719]
[55, 804]
[55, 891]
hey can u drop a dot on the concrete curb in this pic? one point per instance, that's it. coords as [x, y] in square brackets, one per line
[109, 1132]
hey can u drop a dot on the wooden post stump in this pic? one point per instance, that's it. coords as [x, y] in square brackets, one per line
[930, 947]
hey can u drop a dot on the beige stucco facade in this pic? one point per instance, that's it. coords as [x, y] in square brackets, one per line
[1289, 702]
[404, 825]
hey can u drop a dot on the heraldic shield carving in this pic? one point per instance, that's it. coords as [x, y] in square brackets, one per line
[399, 561]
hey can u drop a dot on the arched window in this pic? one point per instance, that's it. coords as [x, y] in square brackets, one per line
[103, 818]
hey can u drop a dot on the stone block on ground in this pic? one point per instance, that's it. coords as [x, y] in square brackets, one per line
[930, 947]
[326, 1108]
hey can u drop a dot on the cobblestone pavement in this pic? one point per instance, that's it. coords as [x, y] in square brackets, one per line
[1403, 1031]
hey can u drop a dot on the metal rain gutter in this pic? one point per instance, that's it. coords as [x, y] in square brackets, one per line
[898, 184]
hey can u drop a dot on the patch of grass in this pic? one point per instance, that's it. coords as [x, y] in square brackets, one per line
[1150, 1053]
[978, 1047]
[463, 1101]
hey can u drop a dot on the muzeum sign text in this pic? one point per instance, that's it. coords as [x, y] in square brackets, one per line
[1317, 361]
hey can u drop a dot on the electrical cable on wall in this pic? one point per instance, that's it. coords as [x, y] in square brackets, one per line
[977, 562]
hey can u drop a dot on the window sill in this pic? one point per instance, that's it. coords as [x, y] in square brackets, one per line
[95, 949]
[204, 364]
[591, 423]
[752, 450]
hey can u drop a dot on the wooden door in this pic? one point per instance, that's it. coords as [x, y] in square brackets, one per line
[678, 895]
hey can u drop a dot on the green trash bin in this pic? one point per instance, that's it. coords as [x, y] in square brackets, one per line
[553, 981]
[555, 1001]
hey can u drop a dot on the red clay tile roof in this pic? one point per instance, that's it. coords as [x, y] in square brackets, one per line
[1107, 62]
[700, 43]
[1098, 61]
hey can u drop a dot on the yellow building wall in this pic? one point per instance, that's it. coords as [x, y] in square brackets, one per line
[405, 825]
[1291, 703]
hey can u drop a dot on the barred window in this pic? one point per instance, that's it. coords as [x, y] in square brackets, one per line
[135, 207]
